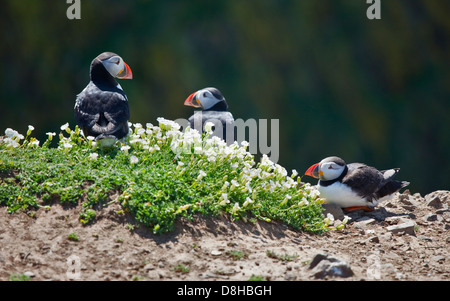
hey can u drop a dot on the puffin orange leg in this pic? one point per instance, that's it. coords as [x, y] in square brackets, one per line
[354, 208]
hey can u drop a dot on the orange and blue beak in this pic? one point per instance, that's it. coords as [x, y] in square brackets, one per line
[313, 171]
[125, 73]
[192, 101]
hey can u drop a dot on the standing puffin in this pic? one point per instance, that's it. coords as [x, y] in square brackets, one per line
[214, 109]
[354, 186]
[101, 109]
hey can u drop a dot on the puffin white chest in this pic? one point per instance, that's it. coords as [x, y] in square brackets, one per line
[342, 195]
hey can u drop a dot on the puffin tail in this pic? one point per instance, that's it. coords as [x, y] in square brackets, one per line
[390, 188]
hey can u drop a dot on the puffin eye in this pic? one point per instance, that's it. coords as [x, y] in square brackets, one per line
[118, 61]
[205, 94]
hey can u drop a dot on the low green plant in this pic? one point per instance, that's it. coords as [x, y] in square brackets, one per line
[159, 174]
[19, 277]
[236, 254]
[73, 237]
[181, 268]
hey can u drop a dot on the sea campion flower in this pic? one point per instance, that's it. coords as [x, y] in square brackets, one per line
[134, 160]
[50, 135]
[208, 127]
[9, 132]
[30, 129]
[34, 142]
[125, 149]
[65, 127]
[201, 175]
[93, 156]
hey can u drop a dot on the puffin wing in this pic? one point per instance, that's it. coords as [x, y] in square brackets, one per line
[102, 112]
[364, 180]
[221, 120]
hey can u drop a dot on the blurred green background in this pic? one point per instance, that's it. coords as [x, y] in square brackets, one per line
[373, 91]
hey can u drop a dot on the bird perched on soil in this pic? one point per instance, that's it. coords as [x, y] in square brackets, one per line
[101, 109]
[214, 108]
[354, 186]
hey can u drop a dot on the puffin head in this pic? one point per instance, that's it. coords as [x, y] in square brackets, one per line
[114, 64]
[206, 99]
[329, 168]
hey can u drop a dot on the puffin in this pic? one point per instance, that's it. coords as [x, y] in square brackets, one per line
[354, 186]
[214, 108]
[101, 109]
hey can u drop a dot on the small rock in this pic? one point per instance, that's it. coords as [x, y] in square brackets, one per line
[430, 217]
[323, 265]
[436, 199]
[334, 210]
[216, 253]
[149, 267]
[364, 222]
[29, 274]
[434, 202]
[407, 227]
[374, 239]
[438, 258]
[289, 276]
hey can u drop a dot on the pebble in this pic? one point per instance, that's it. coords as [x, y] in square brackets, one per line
[430, 217]
[29, 274]
[407, 227]
[323, 265]
[216, 253]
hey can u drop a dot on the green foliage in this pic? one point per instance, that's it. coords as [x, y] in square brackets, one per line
[160, 174]
[19, 277]
[73, 237]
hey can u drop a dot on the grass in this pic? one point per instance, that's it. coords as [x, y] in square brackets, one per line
[159, 173]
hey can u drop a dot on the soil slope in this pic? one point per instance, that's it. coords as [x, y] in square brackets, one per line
[406, 238]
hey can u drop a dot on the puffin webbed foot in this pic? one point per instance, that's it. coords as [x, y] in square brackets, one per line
[355, 208]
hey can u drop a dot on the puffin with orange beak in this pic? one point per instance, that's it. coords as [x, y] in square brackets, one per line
[101, 109]
[214, 108]
[354, 186]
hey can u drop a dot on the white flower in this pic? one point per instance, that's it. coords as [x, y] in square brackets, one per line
[247, 202]
[303, 202]
[329, 219]
[67, 145]
[235, 208]
[168, 125]
[35, 143]
[30, 129]
[208, 127]
[65, 126]
[201, 175]
[11, 142]
[90, 138]
[9, 132]
[134, 160]
[93, 156]
[294, 173]
[125, 148]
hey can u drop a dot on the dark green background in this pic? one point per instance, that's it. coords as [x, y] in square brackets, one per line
[374, 91]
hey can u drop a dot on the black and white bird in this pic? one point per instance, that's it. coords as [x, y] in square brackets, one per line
[101, 109]
[214, 108]
[354, 186]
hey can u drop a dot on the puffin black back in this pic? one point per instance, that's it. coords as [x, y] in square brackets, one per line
[101, 109]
